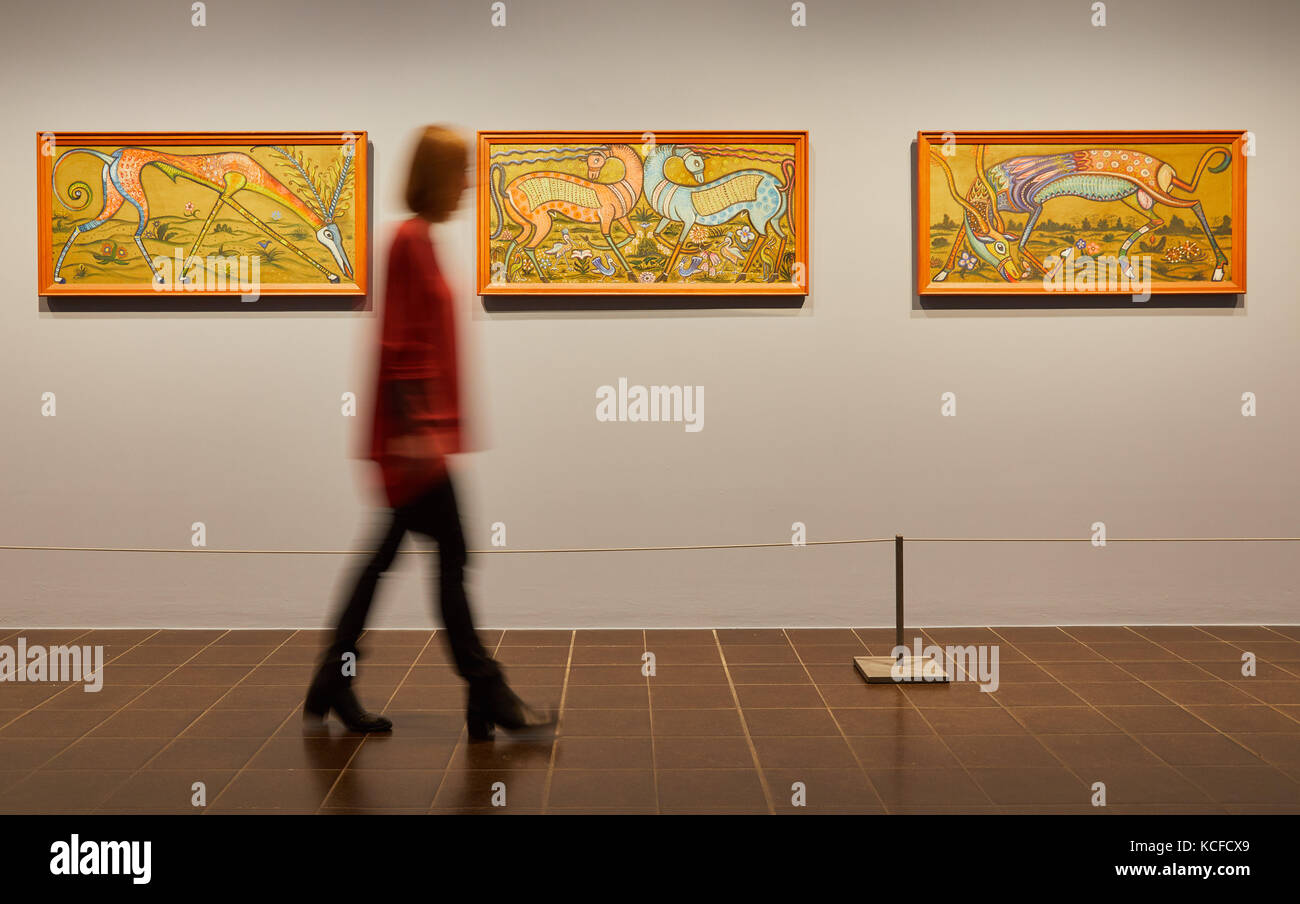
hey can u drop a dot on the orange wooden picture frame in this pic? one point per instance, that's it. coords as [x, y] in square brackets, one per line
[555, 193]
[1017, 180]
[240, 178]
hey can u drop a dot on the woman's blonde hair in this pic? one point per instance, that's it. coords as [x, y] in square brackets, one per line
[434, 186]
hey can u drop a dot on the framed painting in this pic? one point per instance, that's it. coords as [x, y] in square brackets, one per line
[1081, 212]
[267, 213]
[641, 213]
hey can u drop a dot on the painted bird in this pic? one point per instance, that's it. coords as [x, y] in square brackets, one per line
[687, 268]
[561, 247]
[729, 250]
[605, 267]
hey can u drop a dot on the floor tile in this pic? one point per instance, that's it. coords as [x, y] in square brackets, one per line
[927, 788]
[710, 791]
[1192, 749]
[694, 722]
[604, 753]
[510, 790]
[702, 753]
[373, 788]
[620, 789]
[1032, 784]
[811, 791]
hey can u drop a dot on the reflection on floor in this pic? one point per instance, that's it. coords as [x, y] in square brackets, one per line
[735, 720]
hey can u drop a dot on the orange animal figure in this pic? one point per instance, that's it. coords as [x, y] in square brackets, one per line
[533, 199]
[225, 173]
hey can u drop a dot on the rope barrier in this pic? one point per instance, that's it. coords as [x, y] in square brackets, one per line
[499, 551]
[1109, 540]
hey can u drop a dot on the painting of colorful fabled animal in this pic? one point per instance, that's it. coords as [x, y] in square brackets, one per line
[1076, 212]
[646, 213]
[203, 213]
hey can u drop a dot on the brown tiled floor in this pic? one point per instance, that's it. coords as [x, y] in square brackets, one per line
[733, 720]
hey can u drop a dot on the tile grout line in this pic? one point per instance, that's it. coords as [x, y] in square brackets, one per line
[61, 691]
[1240, 646]
[1145, 682]
[830, 712]
[1214, 728]
[240, 771]
[744, 726]
[942, 740]
[1046, 666]
[366, 735]
[110, 713]
[650, 714]
[559, 718]
[151, 687]
[72, 742]
[1038, 736]
[462, 734]
[1183, 706]
[1119, 728]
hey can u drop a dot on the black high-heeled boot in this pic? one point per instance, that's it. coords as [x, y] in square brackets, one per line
[492, 703]
[331, 690]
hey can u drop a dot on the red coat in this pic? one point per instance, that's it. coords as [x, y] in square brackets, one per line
[417, 343]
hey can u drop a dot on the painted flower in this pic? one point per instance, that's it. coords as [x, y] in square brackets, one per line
[121, 254]
[697, 234]
[106, 249]
[275, 214]
[1184, 252]
[646, 276]
[745, 234]
[1092, 248]
[189, 208]
[1081, 245]
[967, 261]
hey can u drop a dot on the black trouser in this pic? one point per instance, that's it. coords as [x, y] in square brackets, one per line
[434, 514]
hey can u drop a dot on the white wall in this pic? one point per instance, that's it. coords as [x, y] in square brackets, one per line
[827, 414]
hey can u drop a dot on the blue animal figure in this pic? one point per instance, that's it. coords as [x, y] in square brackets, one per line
[756, 194]
[605, 267]
[686, 268]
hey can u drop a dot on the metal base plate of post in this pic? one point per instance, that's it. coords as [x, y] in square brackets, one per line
[908, 670]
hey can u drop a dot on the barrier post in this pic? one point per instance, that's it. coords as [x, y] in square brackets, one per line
[898, 590]
[904, 668]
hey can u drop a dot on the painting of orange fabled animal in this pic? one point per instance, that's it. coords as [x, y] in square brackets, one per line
[1081, 212]
[204, 213]
[663, 213]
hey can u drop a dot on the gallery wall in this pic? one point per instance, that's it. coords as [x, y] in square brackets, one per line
[826, 413]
